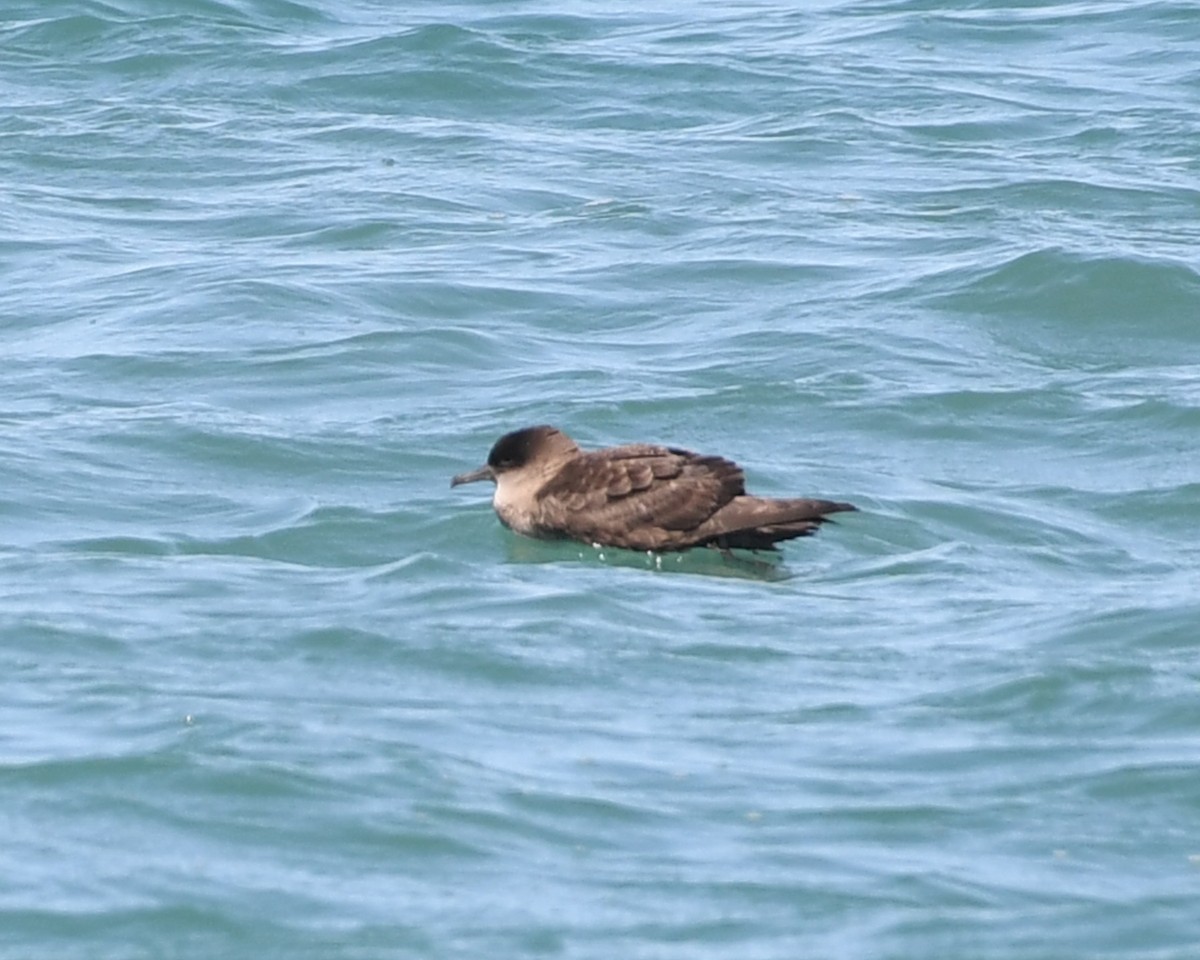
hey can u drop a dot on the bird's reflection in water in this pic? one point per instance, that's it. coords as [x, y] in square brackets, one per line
[702, 561]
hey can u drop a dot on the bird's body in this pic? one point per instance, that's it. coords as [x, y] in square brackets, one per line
[639, 496]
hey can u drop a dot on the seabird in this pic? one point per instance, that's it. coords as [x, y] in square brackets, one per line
[639, 496]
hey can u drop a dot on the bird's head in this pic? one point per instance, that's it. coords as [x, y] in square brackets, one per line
[515, 451]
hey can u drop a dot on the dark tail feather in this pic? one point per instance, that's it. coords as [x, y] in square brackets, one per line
[758, 523]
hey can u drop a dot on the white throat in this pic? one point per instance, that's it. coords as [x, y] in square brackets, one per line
[515, 500]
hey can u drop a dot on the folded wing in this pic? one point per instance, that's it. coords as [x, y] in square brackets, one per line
[757, 523]
[639, 496]
[646, 497]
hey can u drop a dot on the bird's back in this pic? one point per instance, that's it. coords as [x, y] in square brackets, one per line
[640, 496]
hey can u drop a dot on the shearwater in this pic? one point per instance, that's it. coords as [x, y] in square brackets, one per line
[639, 496]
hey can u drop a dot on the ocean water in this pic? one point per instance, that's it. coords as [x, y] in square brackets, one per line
[271, 271]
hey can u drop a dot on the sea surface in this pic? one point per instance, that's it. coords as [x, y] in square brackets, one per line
[271, 271]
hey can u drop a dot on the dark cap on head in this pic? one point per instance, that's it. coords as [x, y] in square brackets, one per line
[516, 449]
[519, 448]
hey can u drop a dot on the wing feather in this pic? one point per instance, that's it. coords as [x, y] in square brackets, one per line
[756, 523]
[640, 496]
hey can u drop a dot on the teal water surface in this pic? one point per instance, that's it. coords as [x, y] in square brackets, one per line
[271, 272]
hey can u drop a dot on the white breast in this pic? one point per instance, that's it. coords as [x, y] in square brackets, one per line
[512, 502]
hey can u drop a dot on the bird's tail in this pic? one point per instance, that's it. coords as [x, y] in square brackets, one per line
[758, 523]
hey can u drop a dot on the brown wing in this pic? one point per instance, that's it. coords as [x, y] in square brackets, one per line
[756, 523]
[639, 496]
